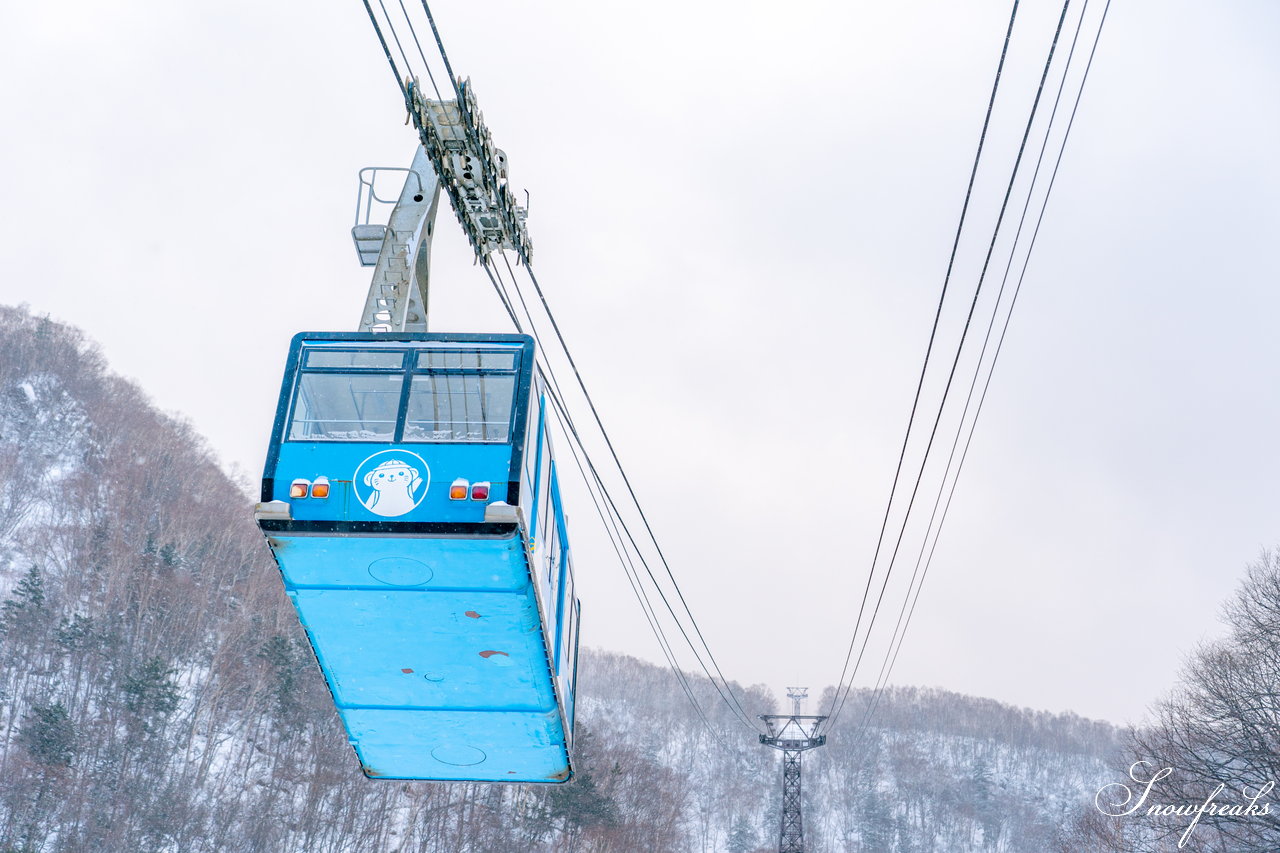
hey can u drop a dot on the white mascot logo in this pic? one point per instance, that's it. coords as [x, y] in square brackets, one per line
[393, 484]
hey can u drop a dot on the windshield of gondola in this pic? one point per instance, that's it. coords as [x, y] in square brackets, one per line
[455, 394]
[346, 407]
[460, 406]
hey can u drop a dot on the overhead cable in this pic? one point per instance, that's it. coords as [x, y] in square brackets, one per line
[924, 368]
[609, 522]
[721, 684]
[896, 647]
[1004, 205]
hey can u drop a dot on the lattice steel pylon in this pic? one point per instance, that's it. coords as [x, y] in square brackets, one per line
[792, 734]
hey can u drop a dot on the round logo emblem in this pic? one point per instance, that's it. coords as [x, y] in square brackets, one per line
[391, 483]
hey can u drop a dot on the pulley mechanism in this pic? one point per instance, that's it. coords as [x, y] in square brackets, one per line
[472, 170]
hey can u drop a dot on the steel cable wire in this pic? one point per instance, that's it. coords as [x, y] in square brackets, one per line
[995, 313]
[453, 80]
[425, 64]
[610, 523]
[955, 363]
[623, 554]
[386, 49]
[637, 584]
[725, 691]
[635, 501]
[895, 649]
[964, 209]
[396, 37]
[637, 587]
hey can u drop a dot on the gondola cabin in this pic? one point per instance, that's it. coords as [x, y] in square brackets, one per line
[411, 503]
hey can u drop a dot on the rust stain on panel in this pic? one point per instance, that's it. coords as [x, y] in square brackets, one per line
[490, 653]
[472, 614]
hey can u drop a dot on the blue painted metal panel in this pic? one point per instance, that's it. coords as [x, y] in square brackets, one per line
[350, 465]
[421, 649]
[403, 561]
[434, 651]
[478, 747]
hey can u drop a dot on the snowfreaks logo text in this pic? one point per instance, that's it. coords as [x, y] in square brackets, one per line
[1125, 806]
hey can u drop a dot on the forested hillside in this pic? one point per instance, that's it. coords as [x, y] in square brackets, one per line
[156, 693]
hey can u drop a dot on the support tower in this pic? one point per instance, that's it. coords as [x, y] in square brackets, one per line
[793, 734]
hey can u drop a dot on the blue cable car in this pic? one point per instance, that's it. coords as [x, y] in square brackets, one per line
[411, 503]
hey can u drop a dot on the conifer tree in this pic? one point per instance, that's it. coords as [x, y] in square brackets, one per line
[49, 735]
[151, 693]
[26, 602]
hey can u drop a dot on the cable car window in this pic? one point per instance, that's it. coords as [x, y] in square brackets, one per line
[346, 358]
[463, 359]
[460, 407]
[346, 407]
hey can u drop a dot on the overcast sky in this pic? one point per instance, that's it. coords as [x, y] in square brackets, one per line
[742, 215]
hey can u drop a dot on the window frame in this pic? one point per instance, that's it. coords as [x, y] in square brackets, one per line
[411, 365]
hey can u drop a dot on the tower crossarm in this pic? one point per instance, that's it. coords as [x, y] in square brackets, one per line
[792, 731]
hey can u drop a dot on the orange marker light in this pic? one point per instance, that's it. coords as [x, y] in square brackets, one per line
[298, 488]
[458, 490]
[320, 488]
[480, 492]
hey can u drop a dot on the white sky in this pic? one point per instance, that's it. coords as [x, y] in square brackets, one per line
[742, 214]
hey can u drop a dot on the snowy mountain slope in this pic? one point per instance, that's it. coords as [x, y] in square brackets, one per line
[156, 693]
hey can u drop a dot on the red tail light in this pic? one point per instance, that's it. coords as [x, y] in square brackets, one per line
[299, 488]
[458, 490]
[480, 492]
